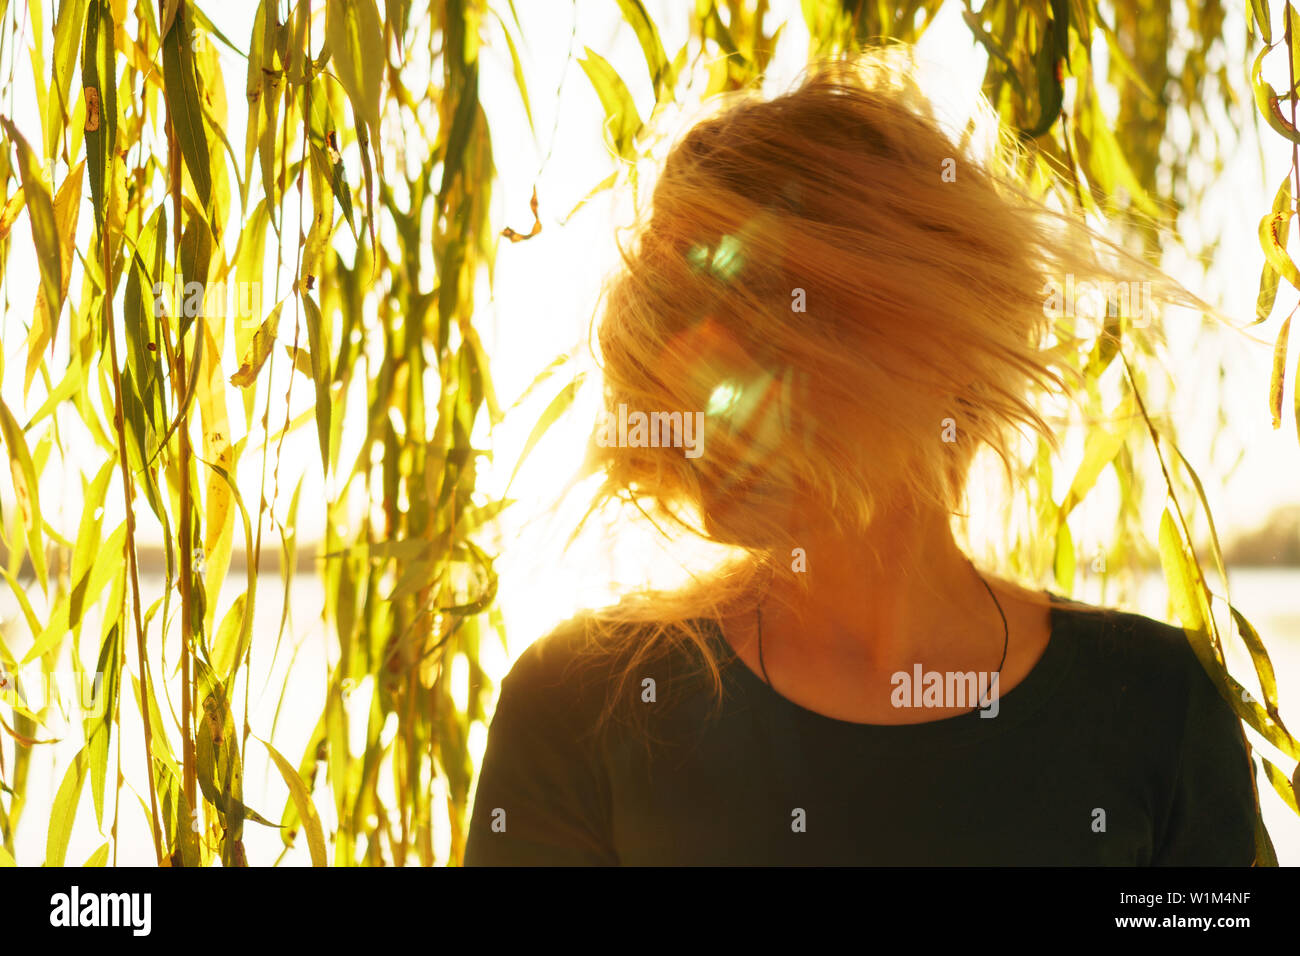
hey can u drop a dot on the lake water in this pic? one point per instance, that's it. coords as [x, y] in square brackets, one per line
[1269, 598]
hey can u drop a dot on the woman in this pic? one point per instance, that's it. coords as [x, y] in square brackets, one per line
[850, 305]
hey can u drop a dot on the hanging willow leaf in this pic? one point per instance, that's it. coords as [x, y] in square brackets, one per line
[1269, 276]
[26, 490]
[1263, 666]
[1100, 449]
[99, 82]
[1053, 52]
[302, 802]
[40, 210]
[622, 122]
[226, 659]
[557, 407]
[99, 857]
[1271, 229]
[64, 811]
[354, 32]
[1266, 100]
[1191, 599]
[45, 321]
[320, 373]
[184, 104]
[1259, 14]
[100, 728]
[67, 32]
[259, 350]
[518, 68]
[1276, 380]
[9, 214]
[652, 48]
[89, 539]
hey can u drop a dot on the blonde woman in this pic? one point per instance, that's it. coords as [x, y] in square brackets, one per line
[850, 306]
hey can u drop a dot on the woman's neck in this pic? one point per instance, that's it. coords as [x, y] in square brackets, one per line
[891, 596]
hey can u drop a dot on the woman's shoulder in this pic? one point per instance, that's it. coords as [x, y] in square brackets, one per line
[582, 662]
[1135, 646]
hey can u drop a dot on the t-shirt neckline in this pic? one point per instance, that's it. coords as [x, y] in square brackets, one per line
[1014, 706]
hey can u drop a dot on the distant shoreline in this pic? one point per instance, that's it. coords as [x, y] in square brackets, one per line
[152, 561]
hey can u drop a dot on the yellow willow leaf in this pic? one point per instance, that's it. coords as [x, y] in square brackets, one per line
[1063, 563]
[9, 214]
[64, 812]
[248, 599]
[1266, 100]
[1286, 789]
[45, 320]
[5, 858]
[218, 530]
[1277, 379]
[1268, 277]
[1191, 600]
[67, 39]
[622, 122]
[1184, 581]
[26, 489]
[1271, 229]
[300, 358]
[258, 351]
[45, 228]
[354, 32]
[302, 801]
[225, 646]
[1100, 448]
[98, 858]
[317, 342]
[1260, 14]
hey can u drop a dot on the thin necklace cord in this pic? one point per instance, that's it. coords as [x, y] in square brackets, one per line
[1006, 634]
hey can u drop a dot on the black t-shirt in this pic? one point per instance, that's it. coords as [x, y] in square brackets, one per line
[1115, 749]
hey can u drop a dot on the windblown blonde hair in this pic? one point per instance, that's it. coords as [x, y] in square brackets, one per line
[923, 302]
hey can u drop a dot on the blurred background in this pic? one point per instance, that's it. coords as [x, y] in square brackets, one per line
[344, 453]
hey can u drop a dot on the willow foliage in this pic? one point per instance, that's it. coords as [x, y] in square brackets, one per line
[366, 146]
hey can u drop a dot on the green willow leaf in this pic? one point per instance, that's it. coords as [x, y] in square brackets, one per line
[67, 34]
[1053, 52]
[89, 540]
[99, 82]
[320, 372]
[100, 728]
[184, 103]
